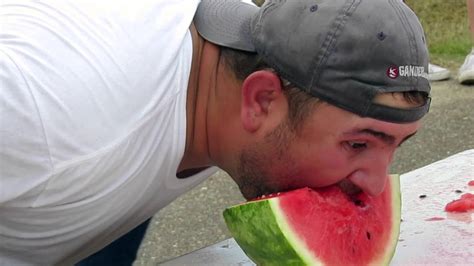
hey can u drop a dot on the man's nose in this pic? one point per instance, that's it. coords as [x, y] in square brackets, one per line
[371, 177]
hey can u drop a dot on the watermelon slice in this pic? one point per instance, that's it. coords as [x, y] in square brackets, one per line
[323, 227]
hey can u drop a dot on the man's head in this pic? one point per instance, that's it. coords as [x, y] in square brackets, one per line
[353, 77]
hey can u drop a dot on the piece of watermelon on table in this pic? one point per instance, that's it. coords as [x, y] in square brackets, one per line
[463, 204]
[323, 227]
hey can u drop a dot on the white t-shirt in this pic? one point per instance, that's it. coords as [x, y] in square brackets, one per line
[92, 121]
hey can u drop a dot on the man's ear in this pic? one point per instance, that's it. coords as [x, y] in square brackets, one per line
[260, 90]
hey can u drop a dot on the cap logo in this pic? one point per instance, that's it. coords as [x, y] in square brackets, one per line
[394, 72]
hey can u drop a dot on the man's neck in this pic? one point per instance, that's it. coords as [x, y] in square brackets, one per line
[196, 154]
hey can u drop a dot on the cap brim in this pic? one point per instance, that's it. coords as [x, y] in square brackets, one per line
[226, 23]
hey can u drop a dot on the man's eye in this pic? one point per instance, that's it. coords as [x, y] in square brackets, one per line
[357, 145]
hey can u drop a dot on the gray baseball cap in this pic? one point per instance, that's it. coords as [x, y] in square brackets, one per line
[344, 52]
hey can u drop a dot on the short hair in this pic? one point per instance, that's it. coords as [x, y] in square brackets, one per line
[300, 103]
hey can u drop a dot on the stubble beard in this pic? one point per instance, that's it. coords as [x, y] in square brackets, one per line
[255, 175]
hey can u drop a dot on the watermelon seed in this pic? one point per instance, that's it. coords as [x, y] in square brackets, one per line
[358, 202]
[422, 196]
[458, 191]
[368, 235]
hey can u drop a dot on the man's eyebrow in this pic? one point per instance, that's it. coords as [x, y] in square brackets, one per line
[388, 139]
[384, 137]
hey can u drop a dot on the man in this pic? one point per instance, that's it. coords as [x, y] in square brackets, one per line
[110, 110]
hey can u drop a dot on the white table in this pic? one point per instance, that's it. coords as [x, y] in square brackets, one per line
[428, 235]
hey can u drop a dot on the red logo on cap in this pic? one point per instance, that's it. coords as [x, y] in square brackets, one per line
[392, 72]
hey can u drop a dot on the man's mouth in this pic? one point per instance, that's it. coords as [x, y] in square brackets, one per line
[349, 188]
[346, 186]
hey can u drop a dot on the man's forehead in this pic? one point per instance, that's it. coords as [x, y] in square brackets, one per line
[396, 100]
[329, 115]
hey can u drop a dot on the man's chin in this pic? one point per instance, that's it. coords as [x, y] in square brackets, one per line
[252, 192]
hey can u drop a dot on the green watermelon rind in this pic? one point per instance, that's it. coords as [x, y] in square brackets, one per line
[272, 246]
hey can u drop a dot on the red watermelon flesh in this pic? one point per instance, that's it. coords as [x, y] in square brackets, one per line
[323, 227]
[463, 204]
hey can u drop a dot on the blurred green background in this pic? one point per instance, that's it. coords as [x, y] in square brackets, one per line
[446, 28]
